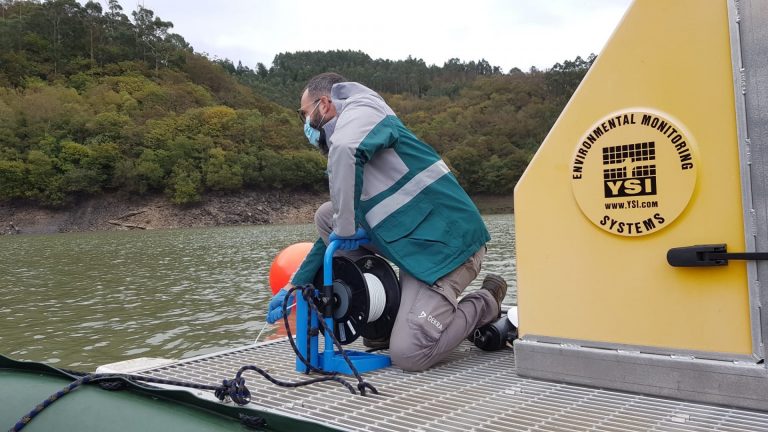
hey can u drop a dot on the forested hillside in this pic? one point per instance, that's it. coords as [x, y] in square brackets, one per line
[93, 100]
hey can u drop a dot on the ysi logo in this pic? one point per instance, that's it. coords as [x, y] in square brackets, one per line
[431, 319]
[631, 187]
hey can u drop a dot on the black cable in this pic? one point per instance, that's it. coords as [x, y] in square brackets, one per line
[307, 293]
[361, 384]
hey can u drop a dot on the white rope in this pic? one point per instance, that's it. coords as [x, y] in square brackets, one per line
[376, 295]
[262, 331]
[266, 324]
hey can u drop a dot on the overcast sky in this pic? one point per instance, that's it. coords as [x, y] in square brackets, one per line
[507, 33]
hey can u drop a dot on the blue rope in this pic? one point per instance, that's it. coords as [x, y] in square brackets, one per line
[46, 403]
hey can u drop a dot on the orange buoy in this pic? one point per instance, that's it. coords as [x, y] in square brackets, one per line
[285, 265]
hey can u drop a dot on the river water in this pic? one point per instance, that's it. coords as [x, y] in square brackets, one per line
[84, 299]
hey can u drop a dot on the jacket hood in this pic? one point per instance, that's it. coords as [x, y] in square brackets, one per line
[345, 90]
[340, 93]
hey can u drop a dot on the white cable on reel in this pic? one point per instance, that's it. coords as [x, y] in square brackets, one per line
[376, 295]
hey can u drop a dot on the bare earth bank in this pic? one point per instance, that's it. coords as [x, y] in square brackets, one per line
[116, 212]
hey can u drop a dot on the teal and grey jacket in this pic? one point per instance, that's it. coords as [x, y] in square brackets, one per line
[386, 180]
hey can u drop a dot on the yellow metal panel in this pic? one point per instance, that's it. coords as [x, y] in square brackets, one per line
[578, 279]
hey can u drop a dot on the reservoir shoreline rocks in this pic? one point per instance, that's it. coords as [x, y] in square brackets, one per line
[115, 212]
[111, 212]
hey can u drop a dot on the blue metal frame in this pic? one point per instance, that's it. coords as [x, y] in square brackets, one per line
[331, 361]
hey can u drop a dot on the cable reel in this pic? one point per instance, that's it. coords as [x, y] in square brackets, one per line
[366, 297]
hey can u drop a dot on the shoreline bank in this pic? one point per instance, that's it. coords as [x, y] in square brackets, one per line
[114, 212]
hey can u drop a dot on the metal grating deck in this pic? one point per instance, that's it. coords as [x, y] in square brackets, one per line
[471, 391]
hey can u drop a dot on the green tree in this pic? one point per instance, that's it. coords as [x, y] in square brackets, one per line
[221, 171]
[13, 179]
[150, 174]
[79, 175]
[93, 18]
[185, 183]
[152, 34]
[45, 183]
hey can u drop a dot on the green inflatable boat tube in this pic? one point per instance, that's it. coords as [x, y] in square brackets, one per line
[24, 385]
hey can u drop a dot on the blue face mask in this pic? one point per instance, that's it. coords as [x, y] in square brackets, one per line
[312, 134]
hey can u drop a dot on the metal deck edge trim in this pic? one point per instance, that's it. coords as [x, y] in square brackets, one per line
[688, 379]
[644, 349]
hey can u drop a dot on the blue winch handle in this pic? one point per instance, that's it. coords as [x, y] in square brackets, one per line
[328, 262]
[360, 237]
[349, 243]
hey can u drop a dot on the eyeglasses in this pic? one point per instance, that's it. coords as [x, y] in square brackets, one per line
[302, 114]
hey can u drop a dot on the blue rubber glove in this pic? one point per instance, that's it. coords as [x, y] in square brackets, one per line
[276, 306]
[352, 242]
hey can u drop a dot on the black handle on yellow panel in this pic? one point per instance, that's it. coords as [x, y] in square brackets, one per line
[708, 256]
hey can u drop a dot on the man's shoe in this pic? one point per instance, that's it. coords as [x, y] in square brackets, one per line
[376, 344]
[497, 286]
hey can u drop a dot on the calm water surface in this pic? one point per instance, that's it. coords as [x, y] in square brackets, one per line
[85, 299]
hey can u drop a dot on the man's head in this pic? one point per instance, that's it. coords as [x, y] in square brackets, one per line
[316, 99]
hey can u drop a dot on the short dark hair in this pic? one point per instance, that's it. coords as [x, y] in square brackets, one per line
[320, 85]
